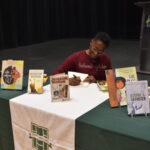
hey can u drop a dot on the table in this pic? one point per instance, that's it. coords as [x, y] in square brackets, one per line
[6, 137]
[105, 128]
[100, 128]
[41, 124]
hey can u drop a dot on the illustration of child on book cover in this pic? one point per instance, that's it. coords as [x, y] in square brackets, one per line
[120, 84]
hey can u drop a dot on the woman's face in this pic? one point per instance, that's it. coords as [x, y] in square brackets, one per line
[96, 48]
[119, 84]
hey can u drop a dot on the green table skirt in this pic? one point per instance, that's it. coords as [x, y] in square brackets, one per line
[6, 135]
[102, 128]
[105, 128]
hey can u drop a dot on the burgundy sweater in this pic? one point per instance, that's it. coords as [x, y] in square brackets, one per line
[81, 62]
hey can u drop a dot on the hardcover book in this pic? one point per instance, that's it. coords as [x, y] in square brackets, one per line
[112, 90]
[116, 80]
[12, 74]
[59, 87]
[137, 96]
[35, 81]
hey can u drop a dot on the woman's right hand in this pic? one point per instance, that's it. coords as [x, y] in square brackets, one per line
[74, 81]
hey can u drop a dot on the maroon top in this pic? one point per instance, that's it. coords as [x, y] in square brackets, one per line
[81, 62]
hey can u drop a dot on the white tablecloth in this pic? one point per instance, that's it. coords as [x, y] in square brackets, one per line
[41, 124]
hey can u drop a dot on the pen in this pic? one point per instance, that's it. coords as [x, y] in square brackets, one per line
[74, 76]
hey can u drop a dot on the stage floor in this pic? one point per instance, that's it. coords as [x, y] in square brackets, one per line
[49, 55]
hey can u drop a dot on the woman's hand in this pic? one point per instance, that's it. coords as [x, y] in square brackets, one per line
[90, 79]
[74, 81]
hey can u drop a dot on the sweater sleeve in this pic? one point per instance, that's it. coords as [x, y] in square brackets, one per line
[67, 65]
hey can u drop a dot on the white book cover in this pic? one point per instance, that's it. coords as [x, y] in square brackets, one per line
[35, 81]
[137, 97]
[59, 88]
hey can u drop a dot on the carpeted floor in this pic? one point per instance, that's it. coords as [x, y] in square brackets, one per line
[49, 55]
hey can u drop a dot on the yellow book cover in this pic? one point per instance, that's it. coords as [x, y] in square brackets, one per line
[12, 74]
[59, 87]
[116, 80]
[35, 81]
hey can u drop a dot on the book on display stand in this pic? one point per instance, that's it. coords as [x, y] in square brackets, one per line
[60, 90]
[12, 74]
[35, 81]
[116, 80]
[137, 96]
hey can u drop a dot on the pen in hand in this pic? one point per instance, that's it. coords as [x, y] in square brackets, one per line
[74, 80]
[74, 76]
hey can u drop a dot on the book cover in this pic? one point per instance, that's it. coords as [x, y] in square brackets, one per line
[137, 96]
[116, 80]
[123, 75]
[12, 74]
[112, 90]
[59, 88]
[35, 81]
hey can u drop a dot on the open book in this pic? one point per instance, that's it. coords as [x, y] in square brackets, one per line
[82, 77]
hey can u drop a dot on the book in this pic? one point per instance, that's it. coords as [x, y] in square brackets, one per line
[59, 87]
[12, 74]
[116, 80]
[112, 90]
[35, 81]
[82, 77]
[149, 90]
[125, 74]
[137, 96]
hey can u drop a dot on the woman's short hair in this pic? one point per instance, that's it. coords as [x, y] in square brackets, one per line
[104, 37]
